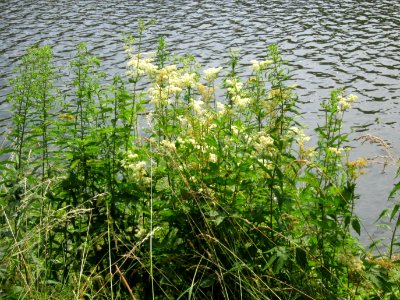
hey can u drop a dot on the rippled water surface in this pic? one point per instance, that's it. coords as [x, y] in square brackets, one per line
[353, 44]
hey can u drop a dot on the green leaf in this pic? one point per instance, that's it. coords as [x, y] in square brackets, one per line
[374, 244]
[394, 211]
[383, 213]
[219, 220]
[395, 189]
[355, 223]
[167, 213]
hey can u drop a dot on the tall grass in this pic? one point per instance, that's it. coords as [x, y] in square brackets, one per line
[179, 182]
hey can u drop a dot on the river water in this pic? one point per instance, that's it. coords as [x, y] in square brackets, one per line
[353, 44]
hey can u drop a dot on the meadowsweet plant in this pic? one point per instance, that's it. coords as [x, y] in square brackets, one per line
[177, 180]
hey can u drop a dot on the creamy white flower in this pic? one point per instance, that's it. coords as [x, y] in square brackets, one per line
[211, 73]
[235, 130]
[174, 89]
[299, 135]
[213, 158]
[171, 68]
[352, 98]
[334, 150]
[197, 106]
[213, 126]
[257, 66]
[343, 105]
[191, 141]
[180, 140]
[142, 65]
[234, 87]
[132, 155]
[221, 108]
[168, 145]
[266, 140]
[183, 81]
[241, 102]
[158, 95]
[137, 168]
[183, 120]
[264, 143]
[310, 152]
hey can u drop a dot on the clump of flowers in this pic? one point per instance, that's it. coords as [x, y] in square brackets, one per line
[299, 135]
[353, 263]
[139, 65]
[234, 86]
[211, 74]
[345, 103]
[158, 95]
[205, 92]
[168, 145]
[263, 143]
[356, 167]
[136, 168]
[185, 80]
[240, 101]
[335, 150]
[258, 66]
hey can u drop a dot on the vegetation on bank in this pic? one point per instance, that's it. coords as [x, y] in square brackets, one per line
[179, 182]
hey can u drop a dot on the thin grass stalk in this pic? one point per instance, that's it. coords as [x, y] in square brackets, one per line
[85, 252]
[393, 237]
[109, 252]
[151, 222]
[125, 282]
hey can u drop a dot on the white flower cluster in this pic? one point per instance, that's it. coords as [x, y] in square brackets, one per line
[240, 101]
[336, 151]
[235, 90]
[211, 74]
[263, 143]
[213, 158]
[184, 80]
[257, 66]
[169, 82]
[198, 107]
[158, 95]
[344, 103]
[137, 65]
[205, 92]
[168, 145]
[135, 167]
[165, 73]
[221, 108]
[299, 135]
[354, 264]
[234, 86]
[189, 141]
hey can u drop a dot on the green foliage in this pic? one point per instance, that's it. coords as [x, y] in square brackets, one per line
[216, 194]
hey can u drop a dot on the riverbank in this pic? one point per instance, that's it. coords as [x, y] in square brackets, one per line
[219, 196]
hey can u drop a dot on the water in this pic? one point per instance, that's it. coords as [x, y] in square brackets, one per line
[352, 44]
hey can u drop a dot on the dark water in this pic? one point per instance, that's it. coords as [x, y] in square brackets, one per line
[337, 43]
